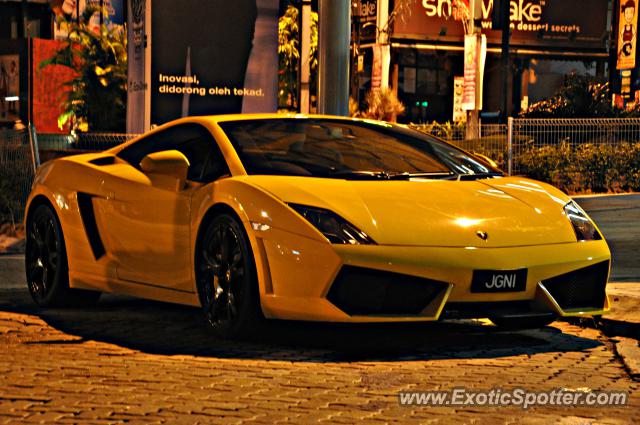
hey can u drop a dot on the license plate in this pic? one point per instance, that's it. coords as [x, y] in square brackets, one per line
[499, 280]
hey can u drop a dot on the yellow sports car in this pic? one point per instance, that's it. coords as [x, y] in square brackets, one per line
[310, 218]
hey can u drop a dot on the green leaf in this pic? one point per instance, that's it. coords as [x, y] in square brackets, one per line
[64, 118]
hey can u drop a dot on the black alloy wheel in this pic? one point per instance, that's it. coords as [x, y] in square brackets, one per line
[46, 264]
[226, 278]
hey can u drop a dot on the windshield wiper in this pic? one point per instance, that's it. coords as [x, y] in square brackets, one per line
[478, 176]
[384, 175]
[408, 176]
[358, 174]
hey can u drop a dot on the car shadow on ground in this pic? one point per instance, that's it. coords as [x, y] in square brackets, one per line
[167, 329]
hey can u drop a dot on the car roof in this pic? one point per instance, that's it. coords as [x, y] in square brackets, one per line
[262, 116]
[208, 120]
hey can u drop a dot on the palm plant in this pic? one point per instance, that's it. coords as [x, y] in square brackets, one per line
[96, 100]
[289, 57]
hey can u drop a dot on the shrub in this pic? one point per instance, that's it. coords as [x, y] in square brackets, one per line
[579, 97]
[590, 168]
[382, 104]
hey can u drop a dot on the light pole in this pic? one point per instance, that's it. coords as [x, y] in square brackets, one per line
[334, 32]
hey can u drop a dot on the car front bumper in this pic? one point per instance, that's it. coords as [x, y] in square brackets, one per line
[298, 273]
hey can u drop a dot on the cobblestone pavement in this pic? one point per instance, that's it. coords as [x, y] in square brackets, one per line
[136, 361]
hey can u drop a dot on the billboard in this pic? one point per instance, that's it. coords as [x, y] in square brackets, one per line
[213, 57]
[534, 23]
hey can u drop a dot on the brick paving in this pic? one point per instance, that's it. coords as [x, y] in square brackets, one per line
[136, 361]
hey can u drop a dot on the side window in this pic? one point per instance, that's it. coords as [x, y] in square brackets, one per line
[194, 141]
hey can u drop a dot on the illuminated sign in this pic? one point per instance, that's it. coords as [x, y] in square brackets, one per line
[548, 23]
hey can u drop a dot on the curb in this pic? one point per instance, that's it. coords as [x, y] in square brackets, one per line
[621, 325]
[629, 351]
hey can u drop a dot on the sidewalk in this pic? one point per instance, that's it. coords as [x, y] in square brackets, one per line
[622, 323]
[625, 304]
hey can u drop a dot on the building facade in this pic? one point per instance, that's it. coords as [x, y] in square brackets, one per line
[549, 39]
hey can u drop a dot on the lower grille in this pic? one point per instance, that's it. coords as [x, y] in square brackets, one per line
[361, 291]
[584, 288]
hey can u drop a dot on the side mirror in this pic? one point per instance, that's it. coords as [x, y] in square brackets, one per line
[166, 169]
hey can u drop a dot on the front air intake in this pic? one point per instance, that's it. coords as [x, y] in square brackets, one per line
[580, 289]
[361, 291]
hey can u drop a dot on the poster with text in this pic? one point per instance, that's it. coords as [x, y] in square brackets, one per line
[627, 34]
[459, 114]
[9, 87]
[213, 57]
[475, 53]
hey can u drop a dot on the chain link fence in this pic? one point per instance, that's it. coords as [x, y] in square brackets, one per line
[577, 155]
[16, 174]
[53, 146]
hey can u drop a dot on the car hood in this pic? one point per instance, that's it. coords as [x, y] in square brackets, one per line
[511, 211]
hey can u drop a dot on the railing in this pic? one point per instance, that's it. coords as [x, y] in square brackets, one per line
[56, 145]
[576, 155]
[595, 155]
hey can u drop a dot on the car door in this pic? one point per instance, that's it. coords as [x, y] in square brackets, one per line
[150, 226]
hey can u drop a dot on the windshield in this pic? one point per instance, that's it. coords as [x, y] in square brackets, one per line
[347, 149]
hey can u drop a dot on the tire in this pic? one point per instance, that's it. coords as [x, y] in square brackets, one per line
[46, 265]
[518, 323]
[226, 278]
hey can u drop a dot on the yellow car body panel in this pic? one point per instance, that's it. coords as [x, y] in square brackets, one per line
[423, 228]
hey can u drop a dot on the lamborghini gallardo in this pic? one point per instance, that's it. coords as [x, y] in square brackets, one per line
[313, 218]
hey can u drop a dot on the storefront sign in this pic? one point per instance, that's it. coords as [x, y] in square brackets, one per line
[534, 23]
[625, 86]
[213, 57]
[627, 34]
[365, 13]
[475, 52]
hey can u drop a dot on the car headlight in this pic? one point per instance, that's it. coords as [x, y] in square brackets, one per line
[335, 228]
[582, 225]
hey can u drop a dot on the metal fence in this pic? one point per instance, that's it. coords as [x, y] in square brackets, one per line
[53, 146]
[519, 146]
[16, 174]
[567, 136]
[491, 143]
